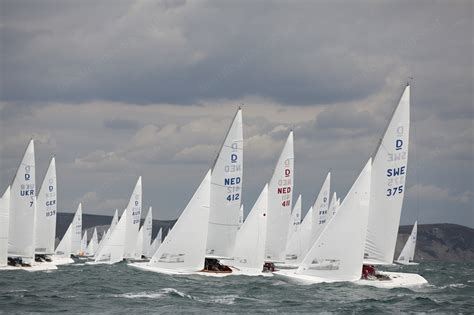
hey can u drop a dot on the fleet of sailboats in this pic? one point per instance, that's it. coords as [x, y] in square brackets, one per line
[335, 241]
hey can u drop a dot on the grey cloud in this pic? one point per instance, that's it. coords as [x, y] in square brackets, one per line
[121, 124]
[75, 76]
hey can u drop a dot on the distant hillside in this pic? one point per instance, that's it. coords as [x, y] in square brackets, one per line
[102, 222]
[439, 242]
[436, 242]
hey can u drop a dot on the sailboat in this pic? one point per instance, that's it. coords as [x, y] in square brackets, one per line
[408, 252]
[337, 254]
[105, 236]
[22, 213]
[280, 196]
[249, 251]
[4, 214]
[184, 248]
[311, 227]
[226, 193]
[121, 243]
[142, 247]
[70, 244]
[46, 210]
[388, 181]
[155, 244]
[93, 244]
[293, 243]
[82, 252]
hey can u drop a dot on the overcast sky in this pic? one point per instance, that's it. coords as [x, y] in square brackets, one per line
[119, 89]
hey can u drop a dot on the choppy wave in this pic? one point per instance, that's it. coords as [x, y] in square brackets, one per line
[119, 289]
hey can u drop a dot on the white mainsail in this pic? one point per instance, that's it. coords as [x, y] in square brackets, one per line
[294, 237]
[280, 194]
[320, 210]
[337, 254]
[144, 237]
[226, 192]
[249, 251]
[46, 208]
[184, 248]
[4, 214]
[70, 244]
[134, 210]
[156, 244]
[21, 234]
[84, 243]
[408, 252]
[93, 244]
[389, 170]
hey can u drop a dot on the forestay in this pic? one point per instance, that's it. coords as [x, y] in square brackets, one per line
[389, 170]
[226, 192]
[184, 248]
[280, 194]
[21, 234]
[337, 254]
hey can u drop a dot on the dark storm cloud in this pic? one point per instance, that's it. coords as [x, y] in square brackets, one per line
[76, 74]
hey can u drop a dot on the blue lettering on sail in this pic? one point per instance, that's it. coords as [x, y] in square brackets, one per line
[232, 181]
[27, 192]
[398, 144]
[396, 171]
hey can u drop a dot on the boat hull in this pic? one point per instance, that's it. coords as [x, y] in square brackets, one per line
[397, 280]
[46, 266]
[58, 261]
[303, 279]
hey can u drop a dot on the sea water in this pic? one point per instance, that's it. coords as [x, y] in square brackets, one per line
[119, 289]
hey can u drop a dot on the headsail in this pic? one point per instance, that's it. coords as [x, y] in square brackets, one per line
[93, 244]
[280, 194]
[113, 246]
[21, 234]
[389, 170]
[84, 243]
[156, 244]
[71, 241]
[184, 248]
[4, 214]
[226, 192]
[408, 252]
[106, 235]
[337, 254]
[293, 244]
[249, 249]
